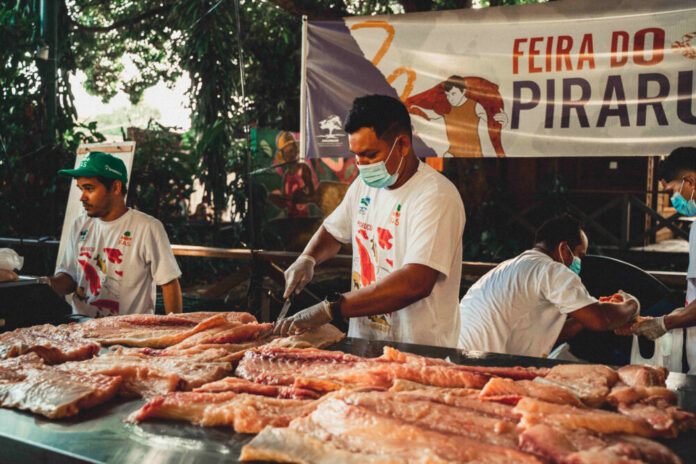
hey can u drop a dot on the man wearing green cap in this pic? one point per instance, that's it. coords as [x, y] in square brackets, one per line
[115, 255]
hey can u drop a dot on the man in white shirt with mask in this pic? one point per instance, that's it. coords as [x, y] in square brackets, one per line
[405, 222]
[521, 306]
[678, 174]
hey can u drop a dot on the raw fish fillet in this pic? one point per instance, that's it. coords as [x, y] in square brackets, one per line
[625, 394]
[230, 333]
[148, 330]
[245, 413]
[517, 372]
[55, 344]
[511, 391]
[581, 447]
[319, 337]
[237, 385]
[281, 366]
[665, 419]
[349, 425]
[638, 375]
[147, 376]
[429, 414]
[26, 383]
[589, 382]
[534, 412]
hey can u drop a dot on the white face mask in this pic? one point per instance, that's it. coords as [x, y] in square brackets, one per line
[376, 174]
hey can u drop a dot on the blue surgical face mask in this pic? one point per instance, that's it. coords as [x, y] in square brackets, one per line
[575, 266]
[687, 208]
[376, 174]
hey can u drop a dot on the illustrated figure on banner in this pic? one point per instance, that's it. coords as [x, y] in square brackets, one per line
[463, 103]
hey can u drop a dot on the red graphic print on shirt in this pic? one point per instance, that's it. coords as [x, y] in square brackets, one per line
[367, 269]
[385, 238]
[86, 253]
[119, 273]
[114, 255]
[111, 305]
[91, 276]
[363, 234]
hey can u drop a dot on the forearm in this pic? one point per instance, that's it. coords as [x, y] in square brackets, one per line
[570, 329]
[61, 283]
[682, 317]
[322, 246]
[615, 315]
[171, 294]
[605, 315]
[396, 291]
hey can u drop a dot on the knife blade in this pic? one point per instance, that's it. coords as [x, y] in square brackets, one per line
[285, 308]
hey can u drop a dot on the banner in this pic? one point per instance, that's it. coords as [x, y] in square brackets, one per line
[569, 78]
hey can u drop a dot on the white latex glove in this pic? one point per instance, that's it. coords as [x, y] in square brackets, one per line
[652, 328]
[314, 316]
[299, 274]
[628, 296]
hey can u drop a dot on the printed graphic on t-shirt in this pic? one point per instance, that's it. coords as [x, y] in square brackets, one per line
[373, 245]
[101, 284]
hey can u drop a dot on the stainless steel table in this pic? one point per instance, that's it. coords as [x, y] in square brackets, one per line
[99, 435]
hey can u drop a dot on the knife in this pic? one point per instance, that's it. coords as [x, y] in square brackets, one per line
[284, 309]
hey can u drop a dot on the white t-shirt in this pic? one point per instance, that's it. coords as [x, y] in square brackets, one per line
[420, 222]
[520, 306]
[117, 264]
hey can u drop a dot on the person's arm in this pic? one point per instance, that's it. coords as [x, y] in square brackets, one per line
[322, 246]
[604, 315]
[61, 283]
[7, 275]
[681, 317]
[399, 289]
[430, 114]
[570, 329]
[396, 291]
[171, 294]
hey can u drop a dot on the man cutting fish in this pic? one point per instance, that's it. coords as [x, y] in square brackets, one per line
[678, 175]
[115, 255]
[405, 222]
[520, 307]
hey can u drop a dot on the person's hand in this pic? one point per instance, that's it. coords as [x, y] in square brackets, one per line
[501, 118]
[626, 297]
[6, 275]
[314, 316]
[299, 274]
[651, 328]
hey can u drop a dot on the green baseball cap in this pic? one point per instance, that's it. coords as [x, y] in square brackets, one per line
[97, 163]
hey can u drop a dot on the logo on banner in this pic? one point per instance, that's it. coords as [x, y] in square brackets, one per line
[334, 126]
[684, 46]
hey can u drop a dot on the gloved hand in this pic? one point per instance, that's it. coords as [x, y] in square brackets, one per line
[314, 316]
[628, 296]
[652, 328]
[299, 274]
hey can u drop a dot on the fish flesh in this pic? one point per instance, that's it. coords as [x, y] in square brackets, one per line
[511, 391]
[244, 412]
[563, 446]
[638, 375]
[667, 420]
[283, 366]
[229, 333]
[147, 376]
[357, 431]
[27, 383]
[517, 372]
[237, 385]
[589, 382]
[147, 330]
[535, 411]
[54, 344]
